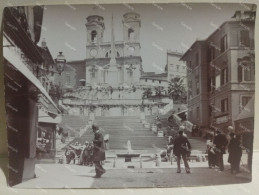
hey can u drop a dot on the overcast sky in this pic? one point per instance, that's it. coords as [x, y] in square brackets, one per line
[163, 27]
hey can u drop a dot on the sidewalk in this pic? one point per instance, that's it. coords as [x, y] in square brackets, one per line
[75, 176]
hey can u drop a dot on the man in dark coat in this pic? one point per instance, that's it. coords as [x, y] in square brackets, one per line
[235, 153]
[220, 142]
[98, 151]
[182, 148]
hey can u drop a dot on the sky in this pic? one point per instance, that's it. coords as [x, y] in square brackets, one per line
[163, 27]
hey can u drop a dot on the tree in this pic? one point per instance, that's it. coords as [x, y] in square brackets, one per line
[176, 90]
[158, 91]
[147, 93]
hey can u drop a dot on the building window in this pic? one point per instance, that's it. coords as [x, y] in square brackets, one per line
[210, 110]
[197, 82]
[223, 44]
[217, 82]
[198, 113]
[224, 76]
[130, 34]
[197, 88]
[244, 38]
[245, 100]
[246, 72]
[190, 116]
[145, 80]
[189, 89]
[224, 105]
[212, 53]
[197, 59]
[93, 36]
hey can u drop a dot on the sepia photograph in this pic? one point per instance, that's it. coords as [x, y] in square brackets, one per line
[129, 95]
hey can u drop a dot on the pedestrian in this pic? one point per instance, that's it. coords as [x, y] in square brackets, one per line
[98, 151]
[220, 142]
[182, 148]
[235, 153]
[212, 161]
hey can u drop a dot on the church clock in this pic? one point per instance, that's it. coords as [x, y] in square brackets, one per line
[93, 52]
[131, 50]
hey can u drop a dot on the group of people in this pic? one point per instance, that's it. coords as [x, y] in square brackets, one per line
[90, 153]
[217, 146]
[83, 152]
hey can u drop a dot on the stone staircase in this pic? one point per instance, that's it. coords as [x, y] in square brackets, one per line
[198, 144]
[124, 128]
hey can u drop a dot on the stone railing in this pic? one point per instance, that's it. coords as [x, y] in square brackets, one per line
[103, 102]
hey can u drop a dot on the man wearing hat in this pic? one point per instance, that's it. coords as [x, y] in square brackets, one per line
[182, 148]
[220, 142]
[98, 151]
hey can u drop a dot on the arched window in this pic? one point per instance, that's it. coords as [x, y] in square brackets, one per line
[130, 34]
[93, 36]
[108, 54]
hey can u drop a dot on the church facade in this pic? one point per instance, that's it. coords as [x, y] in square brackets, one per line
[108, 81]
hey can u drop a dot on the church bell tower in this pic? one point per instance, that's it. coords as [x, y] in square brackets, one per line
[131, 27]
[95, 29]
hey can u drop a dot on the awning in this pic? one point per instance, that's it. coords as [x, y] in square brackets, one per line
[12, 57]
[248, 111]
[49, 117]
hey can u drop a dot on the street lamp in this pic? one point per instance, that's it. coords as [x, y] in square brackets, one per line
[60, 62]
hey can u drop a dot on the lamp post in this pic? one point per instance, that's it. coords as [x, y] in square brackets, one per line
[60, 62]
[56, 88]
